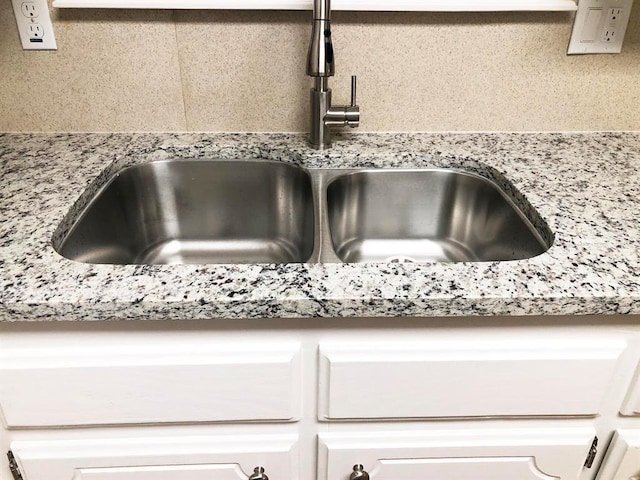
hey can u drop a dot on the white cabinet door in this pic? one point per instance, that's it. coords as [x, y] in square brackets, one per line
[623, 457]
[505, 454]
[224, 457]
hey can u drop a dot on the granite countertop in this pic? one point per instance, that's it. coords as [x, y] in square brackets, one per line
[586, 186]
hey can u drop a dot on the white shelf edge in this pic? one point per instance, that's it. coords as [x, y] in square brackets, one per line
[360, 5]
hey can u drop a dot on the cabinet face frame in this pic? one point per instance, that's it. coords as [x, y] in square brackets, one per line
[631, 405]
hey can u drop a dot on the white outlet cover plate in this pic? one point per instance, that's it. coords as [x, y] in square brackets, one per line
[599, 26]
[36, 29]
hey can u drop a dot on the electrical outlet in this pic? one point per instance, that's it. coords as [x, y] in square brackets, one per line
[29, 9]
[612, 16]
[599, 26]
[609, 35]
[36, 33]
[34, 24]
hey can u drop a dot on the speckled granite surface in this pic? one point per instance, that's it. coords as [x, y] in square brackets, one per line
[585, 186]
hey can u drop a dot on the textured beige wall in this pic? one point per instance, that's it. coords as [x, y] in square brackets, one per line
[244, 71]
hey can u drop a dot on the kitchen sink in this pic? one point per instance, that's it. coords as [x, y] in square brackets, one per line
[258, 211]
[433, 215]
[197, 211]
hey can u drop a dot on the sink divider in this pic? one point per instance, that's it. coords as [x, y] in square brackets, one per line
[323, 250]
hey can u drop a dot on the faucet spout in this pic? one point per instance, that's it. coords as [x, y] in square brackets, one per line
[320, 66]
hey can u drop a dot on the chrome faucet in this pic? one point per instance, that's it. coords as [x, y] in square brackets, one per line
[320, 66]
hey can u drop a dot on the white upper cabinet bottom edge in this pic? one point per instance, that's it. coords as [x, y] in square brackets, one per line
[353, 5]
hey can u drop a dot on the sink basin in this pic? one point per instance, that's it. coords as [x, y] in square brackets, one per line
[197, 211]
[422, 215]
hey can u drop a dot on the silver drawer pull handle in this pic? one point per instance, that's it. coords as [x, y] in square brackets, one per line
[359, 473]
[258, 474]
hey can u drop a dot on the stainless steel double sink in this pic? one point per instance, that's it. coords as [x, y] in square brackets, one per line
[246, 211]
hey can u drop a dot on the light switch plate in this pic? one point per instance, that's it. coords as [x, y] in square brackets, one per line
[599, 26]
[34, 24]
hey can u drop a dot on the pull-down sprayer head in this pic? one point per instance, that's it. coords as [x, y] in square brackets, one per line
[320, 54]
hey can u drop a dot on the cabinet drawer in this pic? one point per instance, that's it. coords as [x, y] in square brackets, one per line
[227, 457]
[499, 454]
[157, 382]
[537, 377]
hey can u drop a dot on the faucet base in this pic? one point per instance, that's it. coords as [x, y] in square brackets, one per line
[319, 132]
[320, 147]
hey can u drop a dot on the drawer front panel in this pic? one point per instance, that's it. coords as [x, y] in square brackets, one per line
[465, 379]
[220, 457]
[159, 383]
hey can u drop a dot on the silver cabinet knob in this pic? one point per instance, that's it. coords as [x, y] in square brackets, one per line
[258, 474]
[359, 473]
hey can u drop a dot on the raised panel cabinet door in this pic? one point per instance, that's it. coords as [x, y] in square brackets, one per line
[622, 461]
[505, 454]
[476, 378]
[163, 380]
[221, 457]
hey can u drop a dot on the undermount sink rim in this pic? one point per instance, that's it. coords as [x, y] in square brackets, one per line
[466, 167]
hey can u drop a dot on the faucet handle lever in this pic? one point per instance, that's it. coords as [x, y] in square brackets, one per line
[352, 112]
[353, 91]
[344, 115]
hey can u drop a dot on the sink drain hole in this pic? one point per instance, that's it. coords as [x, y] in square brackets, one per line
[400, 259]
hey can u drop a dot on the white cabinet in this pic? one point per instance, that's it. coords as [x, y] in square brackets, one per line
[223, 457]
[503, 454]
[308, 403]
